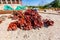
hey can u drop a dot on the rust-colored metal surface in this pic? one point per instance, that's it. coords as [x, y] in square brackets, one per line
[28, 20]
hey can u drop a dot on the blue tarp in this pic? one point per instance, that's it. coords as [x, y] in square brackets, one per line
[7, 7]
[20, 8]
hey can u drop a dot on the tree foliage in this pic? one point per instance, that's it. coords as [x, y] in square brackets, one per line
[55, 4]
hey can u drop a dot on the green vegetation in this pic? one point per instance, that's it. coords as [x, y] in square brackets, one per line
[54, 4]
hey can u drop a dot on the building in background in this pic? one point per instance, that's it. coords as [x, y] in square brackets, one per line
[11, 2]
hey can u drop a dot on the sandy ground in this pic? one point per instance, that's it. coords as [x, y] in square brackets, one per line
[50, 33]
